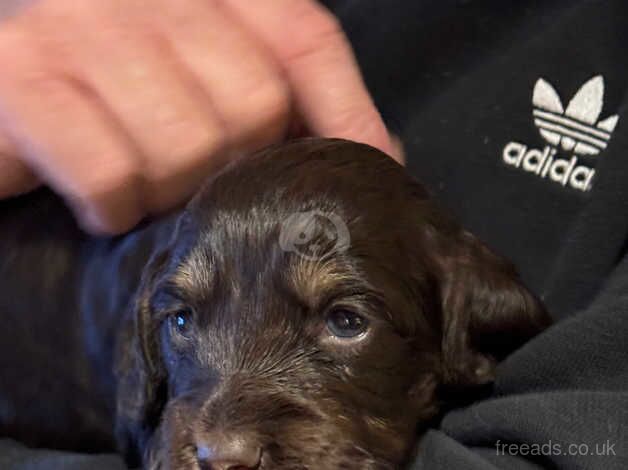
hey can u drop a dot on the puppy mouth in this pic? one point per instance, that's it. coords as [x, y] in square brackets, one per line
[262, 434]
[269, 460]
[351, 458]
[275, 456]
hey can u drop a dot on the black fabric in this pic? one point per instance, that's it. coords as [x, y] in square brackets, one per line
[455, 79]
[14, 456]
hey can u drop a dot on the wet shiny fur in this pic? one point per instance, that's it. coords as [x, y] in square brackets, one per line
[89, 355]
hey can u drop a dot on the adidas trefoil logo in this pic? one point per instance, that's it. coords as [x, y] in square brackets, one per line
[575, 129]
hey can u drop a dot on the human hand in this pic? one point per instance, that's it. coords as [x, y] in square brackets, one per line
[125, 106]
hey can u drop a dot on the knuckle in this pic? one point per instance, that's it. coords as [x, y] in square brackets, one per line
[200, 145]
[271, 104]
[182, 171]
[188, 155]
[318, 29]
[259, 114]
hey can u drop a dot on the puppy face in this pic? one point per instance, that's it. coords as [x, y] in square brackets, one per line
[310, 308]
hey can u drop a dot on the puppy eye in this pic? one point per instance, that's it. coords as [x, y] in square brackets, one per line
[346, 324]
[181, 322]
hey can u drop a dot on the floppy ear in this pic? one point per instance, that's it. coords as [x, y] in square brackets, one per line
[486, 312]
[141, 378]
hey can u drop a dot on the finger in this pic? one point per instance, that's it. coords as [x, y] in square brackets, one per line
[398, 152]
[319, 65]
[72, 146]
[238, 75]
[15, 177]
[175, 130]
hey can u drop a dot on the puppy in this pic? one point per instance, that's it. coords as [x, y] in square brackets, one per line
[310, 309]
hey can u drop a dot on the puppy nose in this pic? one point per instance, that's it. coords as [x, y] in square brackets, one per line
[228, 452]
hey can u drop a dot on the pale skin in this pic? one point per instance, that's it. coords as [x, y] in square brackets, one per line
[124, 107]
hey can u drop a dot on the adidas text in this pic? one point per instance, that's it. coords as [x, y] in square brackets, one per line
[545, 164]
[576, 130]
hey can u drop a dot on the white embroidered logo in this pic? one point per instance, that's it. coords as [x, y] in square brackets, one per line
[575, 129]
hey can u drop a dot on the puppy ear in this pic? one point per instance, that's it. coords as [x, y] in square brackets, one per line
[141, 379]
[487, 313]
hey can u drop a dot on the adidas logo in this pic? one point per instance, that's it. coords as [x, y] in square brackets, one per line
[575, 129]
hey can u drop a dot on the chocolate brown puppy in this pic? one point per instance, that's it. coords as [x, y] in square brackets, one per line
[311, 308]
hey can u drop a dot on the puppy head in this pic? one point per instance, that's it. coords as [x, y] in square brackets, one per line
[309, 309]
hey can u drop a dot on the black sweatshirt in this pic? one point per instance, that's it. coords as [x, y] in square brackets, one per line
[514, 114]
